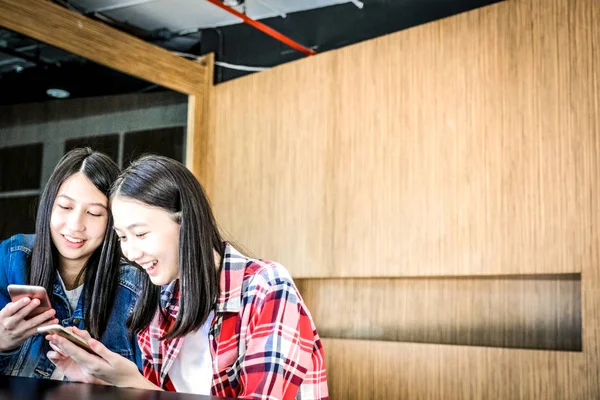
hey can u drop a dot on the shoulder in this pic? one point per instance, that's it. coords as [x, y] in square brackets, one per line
[130, 277]
[19, 243]
[256, 279]
[266, 272]
[14, 253]
[263, 276]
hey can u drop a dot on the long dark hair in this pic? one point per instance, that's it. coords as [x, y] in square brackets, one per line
[101, 271]
[165, 183]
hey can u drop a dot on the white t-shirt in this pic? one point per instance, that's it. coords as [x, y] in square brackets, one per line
[191, 371]
[72, 295]
[73, 298]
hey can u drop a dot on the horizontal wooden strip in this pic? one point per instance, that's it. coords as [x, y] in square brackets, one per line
[531, 312]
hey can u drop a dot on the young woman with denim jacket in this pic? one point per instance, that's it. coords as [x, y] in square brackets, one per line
[75, 256]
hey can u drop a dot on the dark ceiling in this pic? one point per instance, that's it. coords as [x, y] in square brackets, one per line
[28, 68]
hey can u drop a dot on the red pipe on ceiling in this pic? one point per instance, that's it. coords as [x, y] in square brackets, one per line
[262, 27]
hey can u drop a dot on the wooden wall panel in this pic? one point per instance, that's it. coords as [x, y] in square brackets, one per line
[465, 147]
[535, 312]
[386, 370]
[271, 178]
[201, 127]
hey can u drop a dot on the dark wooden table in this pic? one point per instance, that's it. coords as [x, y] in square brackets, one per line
[29, 389]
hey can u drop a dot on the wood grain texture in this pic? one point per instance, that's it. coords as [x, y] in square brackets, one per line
[535, 312]
[465, 146]
[468, 146]
[49, 23]
[201, 127]
[385, 370]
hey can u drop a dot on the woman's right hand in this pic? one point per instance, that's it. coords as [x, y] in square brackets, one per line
[104, 367]
[14, 329]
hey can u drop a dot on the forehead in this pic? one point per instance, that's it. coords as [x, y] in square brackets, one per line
[79, 188]
[127, 212]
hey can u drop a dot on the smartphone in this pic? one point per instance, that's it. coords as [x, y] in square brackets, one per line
[17, 292]
[70, 336]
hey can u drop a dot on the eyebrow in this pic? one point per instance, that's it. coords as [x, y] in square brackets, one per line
[90, 204]
[130, 227]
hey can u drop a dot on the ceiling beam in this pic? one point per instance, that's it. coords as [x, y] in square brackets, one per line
[75, 33]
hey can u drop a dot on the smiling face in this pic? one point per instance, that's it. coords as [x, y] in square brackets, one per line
[78, 221]
[149, 237]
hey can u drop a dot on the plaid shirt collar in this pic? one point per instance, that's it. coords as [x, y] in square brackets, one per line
[232, 276]
[169, 298]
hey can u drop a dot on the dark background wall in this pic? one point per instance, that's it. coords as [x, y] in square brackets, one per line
[34, 137]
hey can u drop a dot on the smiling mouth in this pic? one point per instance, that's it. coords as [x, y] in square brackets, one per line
[73, 240]
[148, 265]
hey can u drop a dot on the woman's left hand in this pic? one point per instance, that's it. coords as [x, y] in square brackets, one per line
[105, 367]
[70, 368]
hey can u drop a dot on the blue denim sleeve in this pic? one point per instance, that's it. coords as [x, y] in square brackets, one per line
[137, 352]
[6, 359]
[4, 263]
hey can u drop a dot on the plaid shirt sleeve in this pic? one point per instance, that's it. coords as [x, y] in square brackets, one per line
[283, 357]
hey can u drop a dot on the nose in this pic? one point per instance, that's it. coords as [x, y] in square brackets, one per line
[131, 251]
[75, 222]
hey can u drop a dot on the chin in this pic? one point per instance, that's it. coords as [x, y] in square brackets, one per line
[156, 281]
[159, 281]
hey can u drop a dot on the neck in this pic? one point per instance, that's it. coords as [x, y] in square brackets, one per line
[217, 259]
[69, 270]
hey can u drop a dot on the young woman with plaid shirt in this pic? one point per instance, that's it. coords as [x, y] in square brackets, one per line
[209, 320]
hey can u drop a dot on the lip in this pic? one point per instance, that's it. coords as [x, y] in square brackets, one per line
[152, 269]
[73, 245]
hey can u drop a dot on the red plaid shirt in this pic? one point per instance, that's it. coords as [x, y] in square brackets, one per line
[264, 343]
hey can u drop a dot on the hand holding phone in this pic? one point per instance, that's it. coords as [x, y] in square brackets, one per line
[65, 333]
[17, 320]
[102, 366]
[18, 292]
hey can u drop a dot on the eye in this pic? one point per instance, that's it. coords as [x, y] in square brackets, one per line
[122, 238]
[94, 214]
[141, 235]
[64, 207]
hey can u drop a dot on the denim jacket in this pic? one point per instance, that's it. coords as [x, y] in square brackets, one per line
[30, 360]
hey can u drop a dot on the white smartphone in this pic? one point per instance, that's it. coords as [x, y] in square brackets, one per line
[17, 292]
[70, 336]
